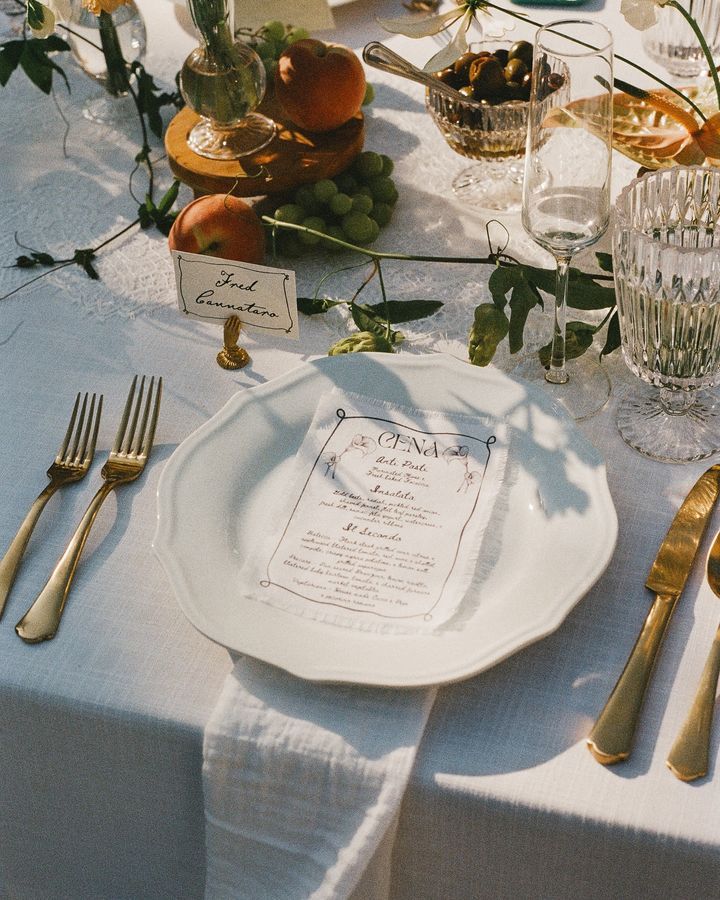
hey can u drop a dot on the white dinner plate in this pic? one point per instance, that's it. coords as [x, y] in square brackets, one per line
[557, 530]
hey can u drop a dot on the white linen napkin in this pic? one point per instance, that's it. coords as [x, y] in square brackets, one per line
[302, 781]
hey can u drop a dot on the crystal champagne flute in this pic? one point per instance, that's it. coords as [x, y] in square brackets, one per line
[566, 191]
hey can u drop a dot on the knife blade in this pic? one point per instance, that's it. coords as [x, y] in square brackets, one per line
[611, 738]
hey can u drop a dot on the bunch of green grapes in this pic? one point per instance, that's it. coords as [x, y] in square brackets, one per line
[270, 40]
[353, 206]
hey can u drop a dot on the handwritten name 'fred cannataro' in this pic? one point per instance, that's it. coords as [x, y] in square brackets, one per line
[226, 280]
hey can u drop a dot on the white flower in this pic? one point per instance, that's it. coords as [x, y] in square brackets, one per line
[465, 12]
[41, 16]
[641, 14]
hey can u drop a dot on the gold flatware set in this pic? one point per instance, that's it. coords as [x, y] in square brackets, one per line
[611, 738]
[125, 463]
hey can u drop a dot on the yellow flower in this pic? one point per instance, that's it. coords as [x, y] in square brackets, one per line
[98, 6]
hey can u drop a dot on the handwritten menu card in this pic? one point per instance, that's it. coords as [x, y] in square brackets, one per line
[383, 524]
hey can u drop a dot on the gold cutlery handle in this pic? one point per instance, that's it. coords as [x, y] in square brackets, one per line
[611, 738]
[10, 563]
[688, 758]
[41, 621]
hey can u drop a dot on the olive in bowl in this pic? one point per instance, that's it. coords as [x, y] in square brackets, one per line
[491, 125]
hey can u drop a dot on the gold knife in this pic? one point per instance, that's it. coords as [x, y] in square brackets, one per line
[610, 740]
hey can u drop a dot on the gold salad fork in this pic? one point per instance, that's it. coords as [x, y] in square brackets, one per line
[71, 464]
[126, 462]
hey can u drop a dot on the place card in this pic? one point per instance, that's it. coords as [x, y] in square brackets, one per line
[263, 298]
[315, 15]
[384, 521]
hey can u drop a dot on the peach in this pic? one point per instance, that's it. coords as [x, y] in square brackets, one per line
[219, 225]
[320, 86]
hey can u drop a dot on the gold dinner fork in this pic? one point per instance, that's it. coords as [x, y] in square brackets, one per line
[126, 462]
[71, 464]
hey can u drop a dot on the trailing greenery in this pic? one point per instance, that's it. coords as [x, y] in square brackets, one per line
[515, 288]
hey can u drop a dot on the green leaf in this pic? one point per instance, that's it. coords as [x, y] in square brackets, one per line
[10, 53]
[501, 282]
[36, 258]
[25, 262]
[605, 261]
[149, 214]
[169, 198]
[578, 337]
[368, 321]
[55, 43]
[312, 306]
[583, 292]
[522, 300]
[403, 310]
[43, 259]
[612, 338]
[489, 327]
[37, 65]
[84, 259]
[150, 99]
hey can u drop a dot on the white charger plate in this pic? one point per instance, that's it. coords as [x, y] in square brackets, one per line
[558, 529]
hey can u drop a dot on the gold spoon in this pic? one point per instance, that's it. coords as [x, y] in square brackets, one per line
[688, 758]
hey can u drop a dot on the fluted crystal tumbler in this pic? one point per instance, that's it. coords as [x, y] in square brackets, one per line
[673, 44]
[666, 253]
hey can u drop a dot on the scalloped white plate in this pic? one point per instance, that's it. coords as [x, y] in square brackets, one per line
[558, 530]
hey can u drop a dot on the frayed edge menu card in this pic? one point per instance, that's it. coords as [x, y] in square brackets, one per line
[382, 525]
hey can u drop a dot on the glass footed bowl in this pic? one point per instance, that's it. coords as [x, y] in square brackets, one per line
[494, 135]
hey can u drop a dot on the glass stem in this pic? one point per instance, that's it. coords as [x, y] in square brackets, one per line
[557, 374]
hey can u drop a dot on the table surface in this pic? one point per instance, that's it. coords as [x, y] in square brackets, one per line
[101, 732]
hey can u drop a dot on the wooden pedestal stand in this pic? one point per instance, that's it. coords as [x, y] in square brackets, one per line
[292, 158]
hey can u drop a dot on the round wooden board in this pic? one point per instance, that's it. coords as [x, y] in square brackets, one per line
[292, 158]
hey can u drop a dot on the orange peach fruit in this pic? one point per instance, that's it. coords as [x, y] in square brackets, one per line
[320, 86]
[219, 225]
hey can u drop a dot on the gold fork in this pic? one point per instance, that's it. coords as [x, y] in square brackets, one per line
[71, 464]
[133, 443]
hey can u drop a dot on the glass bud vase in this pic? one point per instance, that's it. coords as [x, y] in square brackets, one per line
[102, 45]
[223, 81]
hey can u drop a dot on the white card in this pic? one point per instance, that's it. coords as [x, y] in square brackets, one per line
[382, 526]
[262, 298]
[315, 15]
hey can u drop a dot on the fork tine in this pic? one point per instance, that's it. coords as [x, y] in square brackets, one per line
[130, 436]
[83, 446]
[148, 444]
[125, 416]
[90, 451]
[68, 433]
[140, 443]
[78, 430]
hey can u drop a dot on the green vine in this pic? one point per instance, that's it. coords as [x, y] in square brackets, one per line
[33, 56]
[516, 289]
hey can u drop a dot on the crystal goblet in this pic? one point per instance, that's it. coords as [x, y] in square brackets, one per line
[672, 43]
[666, 251]
[566, 190]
